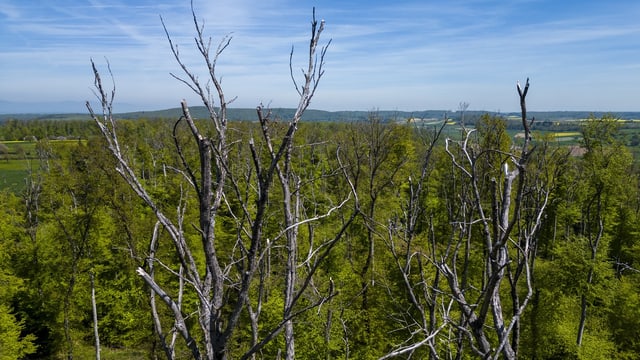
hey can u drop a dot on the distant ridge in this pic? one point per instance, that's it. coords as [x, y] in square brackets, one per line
[246, 114]
[284, 114]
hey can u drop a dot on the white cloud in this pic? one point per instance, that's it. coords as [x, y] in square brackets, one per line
[406, 55]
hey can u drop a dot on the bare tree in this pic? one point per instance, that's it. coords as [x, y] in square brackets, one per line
[455, 278]
[225, 284]
[507, 221]
[462, 108]
[604, 155]
[94, 311]
[428, 310]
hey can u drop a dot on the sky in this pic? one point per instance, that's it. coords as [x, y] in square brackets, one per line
[407, 55]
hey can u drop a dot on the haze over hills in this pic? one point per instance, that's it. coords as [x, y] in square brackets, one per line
[51, 107]
[46, 111]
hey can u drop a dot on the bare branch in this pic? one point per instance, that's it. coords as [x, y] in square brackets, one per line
[177, 313]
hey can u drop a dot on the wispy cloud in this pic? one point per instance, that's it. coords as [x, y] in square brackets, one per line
[409, 54]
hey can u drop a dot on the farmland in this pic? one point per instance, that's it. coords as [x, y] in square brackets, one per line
[20, 157]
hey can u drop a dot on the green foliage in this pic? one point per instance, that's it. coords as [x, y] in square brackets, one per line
[13, 129]
[624, 318]
[13, 345]
[75, 217]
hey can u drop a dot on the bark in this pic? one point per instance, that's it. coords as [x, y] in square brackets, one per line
[223, 289]
[509, 242]
[424, 298]
[94, 309]
[593, 243]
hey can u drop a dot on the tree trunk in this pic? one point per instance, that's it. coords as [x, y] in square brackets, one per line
[95, 317]
[224, 291]
[67, 313]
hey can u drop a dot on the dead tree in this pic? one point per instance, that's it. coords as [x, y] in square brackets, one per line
[224, 284]
[504, 225]
[427, 310]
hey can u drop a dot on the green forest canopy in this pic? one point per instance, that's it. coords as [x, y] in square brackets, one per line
[75, 218]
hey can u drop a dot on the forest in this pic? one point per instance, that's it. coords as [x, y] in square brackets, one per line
[204, 238]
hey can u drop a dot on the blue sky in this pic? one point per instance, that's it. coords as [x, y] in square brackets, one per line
[388, 55]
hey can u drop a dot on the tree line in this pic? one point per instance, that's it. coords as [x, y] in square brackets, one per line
[211, 239]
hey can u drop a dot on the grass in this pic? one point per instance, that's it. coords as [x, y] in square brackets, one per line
[85, 351]
[16, 160]
[563, 134]
[13, 174]
[568, 137]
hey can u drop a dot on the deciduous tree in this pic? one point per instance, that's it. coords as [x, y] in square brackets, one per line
[221, 271]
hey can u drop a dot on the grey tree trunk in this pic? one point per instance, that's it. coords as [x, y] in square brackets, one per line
[96, 334]
[222, 286]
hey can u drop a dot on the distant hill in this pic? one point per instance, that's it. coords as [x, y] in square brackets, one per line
[249, 114]
[243, 114]
[234, 114]
[43, 116]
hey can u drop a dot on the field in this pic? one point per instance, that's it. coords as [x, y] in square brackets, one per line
[566, 135]
[17, 159]
[13, 174]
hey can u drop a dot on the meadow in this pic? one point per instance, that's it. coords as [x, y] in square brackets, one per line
[18, 158]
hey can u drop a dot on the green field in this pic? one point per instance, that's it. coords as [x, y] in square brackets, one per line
[17, 159]
[13, 174]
